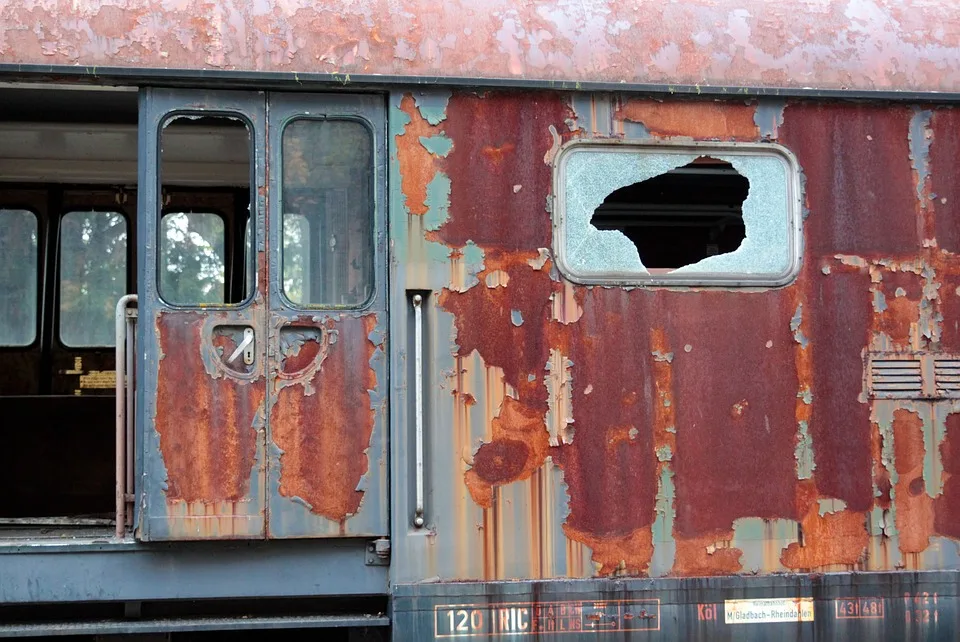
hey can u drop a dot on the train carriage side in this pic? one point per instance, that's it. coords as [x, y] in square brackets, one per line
[710, 343]
[551, 321]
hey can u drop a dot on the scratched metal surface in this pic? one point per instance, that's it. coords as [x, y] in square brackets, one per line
[851, 44]
[713, 432]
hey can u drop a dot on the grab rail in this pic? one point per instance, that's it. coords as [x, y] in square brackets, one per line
[125, 320]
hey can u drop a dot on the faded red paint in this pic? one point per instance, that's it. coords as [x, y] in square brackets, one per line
[612, 482]
[500, 141]
[322, 422]
[945, 179]
[736, 421]
[698, 119]
[857, 205]
[947, 505]
[748, 42]
[206, 425]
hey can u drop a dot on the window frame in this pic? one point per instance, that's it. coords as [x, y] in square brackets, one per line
[229, 232]
[38, 273]
[58, 307]
[372, 237]
[736, 280]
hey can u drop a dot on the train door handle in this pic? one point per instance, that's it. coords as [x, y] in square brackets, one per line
[246, 348]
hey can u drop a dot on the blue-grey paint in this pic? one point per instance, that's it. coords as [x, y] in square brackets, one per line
[433, 104]
[439, 145]
[768, 116]
[189, 571]
[920, 149]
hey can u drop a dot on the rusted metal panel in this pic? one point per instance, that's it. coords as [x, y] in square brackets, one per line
[209, 425]
[321, 417]
[201, 416]
[683, 432]
[886, 45]
[327, 374]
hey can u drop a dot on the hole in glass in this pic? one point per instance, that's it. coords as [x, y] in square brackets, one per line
[681, 217]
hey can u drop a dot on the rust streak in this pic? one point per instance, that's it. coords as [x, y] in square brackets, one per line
[914, 517]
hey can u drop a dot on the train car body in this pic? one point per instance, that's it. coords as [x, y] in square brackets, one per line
[489, 321]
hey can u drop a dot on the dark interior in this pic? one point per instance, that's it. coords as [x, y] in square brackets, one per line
[681, 217]
[71, 252]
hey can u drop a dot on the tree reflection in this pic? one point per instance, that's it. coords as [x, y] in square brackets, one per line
[93, 276]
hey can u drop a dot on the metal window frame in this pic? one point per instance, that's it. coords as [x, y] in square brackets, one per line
[794, 214]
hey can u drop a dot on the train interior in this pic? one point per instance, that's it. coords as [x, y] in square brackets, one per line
[68, 252]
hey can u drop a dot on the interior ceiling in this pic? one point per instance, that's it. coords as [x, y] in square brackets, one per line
[38, 104]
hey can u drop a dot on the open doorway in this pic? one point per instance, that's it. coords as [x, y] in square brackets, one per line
[68, 252]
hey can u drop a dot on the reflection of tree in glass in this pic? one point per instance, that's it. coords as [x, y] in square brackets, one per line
[18, 277]
[327, 212]
[296, 256]
[93, 275]
[192, 263]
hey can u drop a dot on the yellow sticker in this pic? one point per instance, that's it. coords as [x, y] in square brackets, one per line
[99, 379]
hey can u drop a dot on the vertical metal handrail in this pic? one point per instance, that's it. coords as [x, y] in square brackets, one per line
[418, 520]
[122, 399]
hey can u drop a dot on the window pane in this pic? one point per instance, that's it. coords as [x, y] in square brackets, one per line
[296, 256]
[93, 276]
[192, 258]
[197, 265]
[328, 184]
[18, 277]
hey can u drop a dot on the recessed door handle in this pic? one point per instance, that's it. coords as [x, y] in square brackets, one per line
[246, 348]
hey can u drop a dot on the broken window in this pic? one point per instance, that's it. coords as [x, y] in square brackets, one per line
[678, 215]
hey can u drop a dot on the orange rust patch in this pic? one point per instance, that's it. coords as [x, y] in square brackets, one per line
[831, 539]
[417, 165]
[496, 154]
[324, 435]
[519, 446]
[207, 437]
[694, 556]
[627, 554]
[720, 120]
[915, 514]
[898, 320]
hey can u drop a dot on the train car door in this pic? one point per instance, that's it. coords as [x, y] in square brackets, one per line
[327, 376]
[262, 330]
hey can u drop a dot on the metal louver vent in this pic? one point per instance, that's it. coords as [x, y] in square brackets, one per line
[946, 374]
[899, 378]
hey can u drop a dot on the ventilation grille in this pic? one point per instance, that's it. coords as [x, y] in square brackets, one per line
[899, 378]
[946, 374]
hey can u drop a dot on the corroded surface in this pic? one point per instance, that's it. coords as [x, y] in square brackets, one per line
[881, 45]
[698, 432]
[322, 419]
[208, 436]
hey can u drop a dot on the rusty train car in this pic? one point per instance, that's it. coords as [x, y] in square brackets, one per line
[506, 321]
